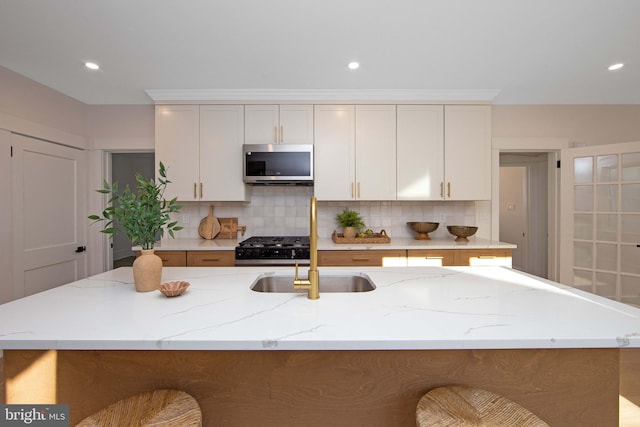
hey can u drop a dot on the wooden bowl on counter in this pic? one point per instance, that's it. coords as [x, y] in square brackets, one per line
[423, 229]
[462, 232]
[174, 289]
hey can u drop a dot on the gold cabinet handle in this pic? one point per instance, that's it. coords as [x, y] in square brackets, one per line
[195, 186]
[448, 189]
[275, 134]
[359, 259]
[352, 190]
[442, 189]
[487, 257]
[434, 257]
[358, 189]
[210, 259]
[281, 133]
[201, 190]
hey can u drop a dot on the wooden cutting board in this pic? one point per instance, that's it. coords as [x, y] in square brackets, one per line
[228, 228]
[209, 226]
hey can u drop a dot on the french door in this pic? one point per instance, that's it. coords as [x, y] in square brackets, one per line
[600, 220]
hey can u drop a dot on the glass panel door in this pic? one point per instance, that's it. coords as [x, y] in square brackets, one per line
[600, 215]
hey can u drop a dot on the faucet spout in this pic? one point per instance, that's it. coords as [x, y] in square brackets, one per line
[311, 283]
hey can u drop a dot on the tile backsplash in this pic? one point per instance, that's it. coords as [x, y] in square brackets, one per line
[284, 211]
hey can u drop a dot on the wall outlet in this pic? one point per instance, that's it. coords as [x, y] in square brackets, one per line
[186, 218]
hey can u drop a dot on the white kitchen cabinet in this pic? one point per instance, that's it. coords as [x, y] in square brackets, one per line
[444, 152]
[375, 152]
[279, 124]
[221, 139]
[202, 149]
[177, 130]
[467, 152]
[420, 152]
[334, 152]
[355, 152]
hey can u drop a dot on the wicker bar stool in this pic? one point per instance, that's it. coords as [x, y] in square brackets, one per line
[166, 408]
[458, 406]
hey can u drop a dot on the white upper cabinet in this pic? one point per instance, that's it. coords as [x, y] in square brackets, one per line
[444, 152]
[279, 124]
[177, 147]
[355, 152]
[221, 139]
[467, 152]
[334, 152]
[202, 149]
[375, 152]
[420, 152]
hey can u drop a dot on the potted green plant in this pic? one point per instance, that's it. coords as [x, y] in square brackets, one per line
[350, 221]
[142, 216]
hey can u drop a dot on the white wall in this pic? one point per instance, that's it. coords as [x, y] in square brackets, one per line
[580, 124]
[276, 211]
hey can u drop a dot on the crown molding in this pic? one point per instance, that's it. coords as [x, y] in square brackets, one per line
[321, 95]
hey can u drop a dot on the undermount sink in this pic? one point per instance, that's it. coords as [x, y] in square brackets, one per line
[345, 282]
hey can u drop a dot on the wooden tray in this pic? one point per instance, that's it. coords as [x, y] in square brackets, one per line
[380, 237]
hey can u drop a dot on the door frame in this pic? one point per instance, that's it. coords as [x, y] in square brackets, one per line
[102, 257]
[551, 146]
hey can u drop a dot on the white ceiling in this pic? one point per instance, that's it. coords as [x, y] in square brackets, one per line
[527, 51]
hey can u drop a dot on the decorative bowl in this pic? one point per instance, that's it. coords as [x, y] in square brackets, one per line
[423, 229]
[174, 289]
[462, 232]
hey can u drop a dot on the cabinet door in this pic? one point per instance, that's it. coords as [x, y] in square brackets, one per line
[375, 258]
[477, 257]
[173, 258]
[296, 124]
[431, 257]
[221, 138]
[376, 152]
[177, 142]
[261, 124]
[467, 152]
[334, 152]
[211, 258]
[420, 152]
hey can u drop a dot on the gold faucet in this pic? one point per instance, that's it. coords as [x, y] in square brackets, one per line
[311, 283]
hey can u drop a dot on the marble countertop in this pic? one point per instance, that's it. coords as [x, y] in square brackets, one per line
[411, 308]
[197, 244]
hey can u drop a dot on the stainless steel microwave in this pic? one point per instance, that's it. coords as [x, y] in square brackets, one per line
[278, 164]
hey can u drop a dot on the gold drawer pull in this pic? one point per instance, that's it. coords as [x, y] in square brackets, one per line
[433, 257]
[487, 257]
[210, 259]
[359, 259]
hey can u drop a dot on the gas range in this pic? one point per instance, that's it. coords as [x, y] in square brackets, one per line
[273, 250]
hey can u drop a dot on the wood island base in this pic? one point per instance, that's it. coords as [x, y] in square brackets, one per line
[564, 387]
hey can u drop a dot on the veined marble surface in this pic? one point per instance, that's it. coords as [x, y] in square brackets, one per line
[412, 308]
[189, 244]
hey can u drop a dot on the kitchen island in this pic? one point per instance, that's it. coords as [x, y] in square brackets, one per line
[347, 359]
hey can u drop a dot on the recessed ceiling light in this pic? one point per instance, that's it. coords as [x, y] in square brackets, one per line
[92, 65]
[616, 66]
[353, 65]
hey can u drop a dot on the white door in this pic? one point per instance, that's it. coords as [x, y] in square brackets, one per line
[513, 212]
[49, 220]
[600, 217]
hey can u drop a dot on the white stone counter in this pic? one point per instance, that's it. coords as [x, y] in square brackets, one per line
[412, 308]
[191, 244]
